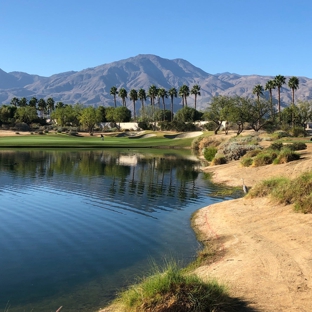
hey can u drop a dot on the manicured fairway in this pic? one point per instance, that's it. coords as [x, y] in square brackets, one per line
[62, 140]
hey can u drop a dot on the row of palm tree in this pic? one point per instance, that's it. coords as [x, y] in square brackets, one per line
[277, 82]
[153, 92]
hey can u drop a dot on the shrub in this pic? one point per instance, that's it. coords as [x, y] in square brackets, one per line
[276, 146]
[209, 153]
[218, 161]
[210, 126]
[208, 141]
[265, 158]
[286, 155]
[280, 134]
[234, 151]
[297, 146]
[247, 161]
[264, 188]
[298, 132]
[253, 153]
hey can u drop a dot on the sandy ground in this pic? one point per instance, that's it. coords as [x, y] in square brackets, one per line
[267, 248]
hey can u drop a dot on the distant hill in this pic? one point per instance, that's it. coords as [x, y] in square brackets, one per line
[91, 86]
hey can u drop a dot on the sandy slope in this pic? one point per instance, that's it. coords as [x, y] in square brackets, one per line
[267, 247]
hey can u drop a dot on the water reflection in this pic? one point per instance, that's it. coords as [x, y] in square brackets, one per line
[77, 225]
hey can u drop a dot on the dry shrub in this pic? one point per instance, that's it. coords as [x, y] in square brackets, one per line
[218, 161]
[209, 142]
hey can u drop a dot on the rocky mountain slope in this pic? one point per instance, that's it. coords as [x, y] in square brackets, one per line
[91, 86]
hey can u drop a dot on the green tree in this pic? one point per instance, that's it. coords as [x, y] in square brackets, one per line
[279, 80]
[184, 92]
[89, 118]
[122, 93]
[122, 114]
[59, 105]
[142, 97]
[258, 90]
[42, 106]
[102, 113]
[162, 93]
[293, 84]
[50, 104]
[219, 110]
[114, 93]
[109, 114]
[33, 102]
[259, 114]
[195, 91]
[134, 97]
[22, 102]
[188, 114]
[173, 94]
[26, 114]
[7, 113]
[15, 101]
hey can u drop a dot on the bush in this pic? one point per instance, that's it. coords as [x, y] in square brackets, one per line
[280, 134]
[218, 161]
[286, 155]
[234, 150]
[276, 146]
[209, 153]
[208, 141]
[210, 126]
[144, 125]
[298, 132]
[247, 161]
[265, 158]
[297, 146]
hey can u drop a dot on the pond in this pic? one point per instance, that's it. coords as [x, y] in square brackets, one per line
[76, 226]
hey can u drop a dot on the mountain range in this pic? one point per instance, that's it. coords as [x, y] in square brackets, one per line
[91, 86]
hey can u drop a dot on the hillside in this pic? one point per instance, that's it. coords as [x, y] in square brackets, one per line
[91, 86]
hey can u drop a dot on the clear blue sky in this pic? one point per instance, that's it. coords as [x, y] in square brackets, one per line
[264, 37]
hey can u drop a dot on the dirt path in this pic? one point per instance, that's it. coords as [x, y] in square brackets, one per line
[267, 247]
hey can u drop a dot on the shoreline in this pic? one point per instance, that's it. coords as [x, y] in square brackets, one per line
[266, 249]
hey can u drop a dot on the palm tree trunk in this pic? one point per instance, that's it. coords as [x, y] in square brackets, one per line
[195, 100]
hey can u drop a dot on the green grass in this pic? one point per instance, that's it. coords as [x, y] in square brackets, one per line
[285, 191]
[169, 289]
[63, 140]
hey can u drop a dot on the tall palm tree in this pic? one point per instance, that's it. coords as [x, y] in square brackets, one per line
[33, 102]
[133, 94]
[184, 92]
[113, 91]
[152, 93]
[122, 93]
[22, 102]
[195, 92]
[293, 84]
[172, 93]
[258, 90]
[42, 105]
[279, 80]
[162, 93]
[50, 104]
[270, 85]
[142, 97]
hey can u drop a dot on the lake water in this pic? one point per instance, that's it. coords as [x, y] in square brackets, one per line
[76, 226]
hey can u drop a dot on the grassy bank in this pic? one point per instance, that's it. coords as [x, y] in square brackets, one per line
[63, 140]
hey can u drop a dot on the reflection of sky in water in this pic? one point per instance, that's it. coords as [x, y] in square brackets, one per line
[78, 225]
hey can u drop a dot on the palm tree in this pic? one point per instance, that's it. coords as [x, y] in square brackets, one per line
[122, 93]
[33, 102]
[113, 92]
[142, 97]
[195, 92]
[279, 80]
[172, 93]
[42, 105]
[22, 102]
[162, 93]
[258, 90]
[152, 93]
[270, 85]
[293, 84]
[50, 104]
[134, 97]
[184, 92]
[59, 105]
[15, 101]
